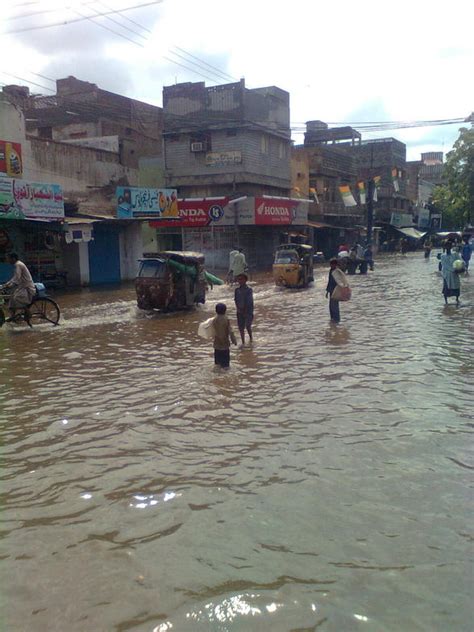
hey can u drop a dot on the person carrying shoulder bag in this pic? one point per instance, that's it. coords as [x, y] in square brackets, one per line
[337, 289]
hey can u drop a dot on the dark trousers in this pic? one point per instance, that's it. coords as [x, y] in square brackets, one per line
[222, 357]
[334, 310]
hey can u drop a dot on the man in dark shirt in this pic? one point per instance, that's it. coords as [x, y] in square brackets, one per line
[244, 304]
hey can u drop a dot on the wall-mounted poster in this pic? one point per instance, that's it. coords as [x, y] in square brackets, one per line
[11, 163]
[20, 199]
[133, 202]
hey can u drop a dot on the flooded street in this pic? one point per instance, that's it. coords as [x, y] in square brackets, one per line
[323, 482]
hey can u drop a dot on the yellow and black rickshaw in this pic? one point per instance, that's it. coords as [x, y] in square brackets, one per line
[293, 265]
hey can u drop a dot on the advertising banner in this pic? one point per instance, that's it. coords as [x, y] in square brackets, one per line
[247, 211]
[20, 199]
[423, 218]
[11, 163]
[279, 211]
[133, 202]
[199, 212]
[401, 219]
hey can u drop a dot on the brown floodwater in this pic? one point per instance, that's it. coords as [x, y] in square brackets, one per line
[323, 482]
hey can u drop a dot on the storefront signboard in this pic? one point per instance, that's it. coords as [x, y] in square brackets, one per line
[222, 158]
[20, 199]
[423, 218]
[247, 211]
[135, 202]
[280, 211]
[400, 220]
[196, 213]
[11, 163]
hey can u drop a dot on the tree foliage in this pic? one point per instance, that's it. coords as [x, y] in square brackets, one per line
[456, 198]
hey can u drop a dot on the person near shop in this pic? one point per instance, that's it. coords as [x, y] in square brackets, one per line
[230, 274]
[466, 253]
[427, 247]
[240, 263]
[22, 285]
[369, 256]
[451, 280]
[336, 278]
[243, 297]
[223, 336]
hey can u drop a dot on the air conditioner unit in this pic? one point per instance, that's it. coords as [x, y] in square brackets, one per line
[198, 146]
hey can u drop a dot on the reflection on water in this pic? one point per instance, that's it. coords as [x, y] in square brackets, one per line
[321, 483]
[337, 335]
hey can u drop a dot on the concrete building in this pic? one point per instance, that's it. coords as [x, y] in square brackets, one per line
[381, 158]
[227, 139]
[227, 155]
[423, 176]
[319, 167]
[83, 114]
[91, 246]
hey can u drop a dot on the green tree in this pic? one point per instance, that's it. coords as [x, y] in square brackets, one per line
[456, 198]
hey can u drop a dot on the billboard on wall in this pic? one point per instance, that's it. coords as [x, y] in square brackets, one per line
[270, 211]
[400, 220]
[247, 211]
[20, 199]
[11, 163]
[133, 202]
[196, 213]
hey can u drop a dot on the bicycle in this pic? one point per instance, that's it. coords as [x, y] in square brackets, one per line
[41, 309]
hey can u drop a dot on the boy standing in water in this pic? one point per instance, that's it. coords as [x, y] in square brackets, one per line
[244, 303]
[223, 336]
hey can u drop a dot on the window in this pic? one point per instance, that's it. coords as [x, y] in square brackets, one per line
[45, 132]
[281, 150]
[264, 144]
[153, 269]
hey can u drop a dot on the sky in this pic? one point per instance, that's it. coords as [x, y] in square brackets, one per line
[341, 61]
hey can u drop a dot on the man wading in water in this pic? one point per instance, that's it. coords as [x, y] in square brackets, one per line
[244, 303]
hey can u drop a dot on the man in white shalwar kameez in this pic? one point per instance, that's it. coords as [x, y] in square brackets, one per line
[22, 283]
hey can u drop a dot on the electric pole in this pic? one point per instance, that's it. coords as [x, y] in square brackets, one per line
[370, 209]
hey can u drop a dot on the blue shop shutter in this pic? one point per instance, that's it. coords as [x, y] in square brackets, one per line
[104, 256]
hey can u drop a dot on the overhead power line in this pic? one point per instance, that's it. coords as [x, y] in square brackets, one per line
[9, 74]
[73, 20]
[31, 14]
[126, 18]
[224, 74]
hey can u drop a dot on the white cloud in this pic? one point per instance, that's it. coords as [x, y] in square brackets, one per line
[406, 60]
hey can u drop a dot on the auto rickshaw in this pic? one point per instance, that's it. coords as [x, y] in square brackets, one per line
[173, 280]
[293, 265]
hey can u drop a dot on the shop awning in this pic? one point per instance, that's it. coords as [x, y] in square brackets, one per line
[445, 234]
[73, 221]
[412, 233]
[323, 225]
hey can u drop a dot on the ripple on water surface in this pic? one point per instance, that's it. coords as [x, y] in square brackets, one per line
[322, 482]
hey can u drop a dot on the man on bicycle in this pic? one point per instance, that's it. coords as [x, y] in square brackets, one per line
[22, 283]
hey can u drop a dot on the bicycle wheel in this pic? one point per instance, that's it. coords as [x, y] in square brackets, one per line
[44, 310]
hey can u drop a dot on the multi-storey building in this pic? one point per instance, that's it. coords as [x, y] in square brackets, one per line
[227, 154]
[82, 142]
[82, 113]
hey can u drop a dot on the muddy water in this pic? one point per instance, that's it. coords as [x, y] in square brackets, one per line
[322, 483]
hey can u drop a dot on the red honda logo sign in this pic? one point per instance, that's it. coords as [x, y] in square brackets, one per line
[274, 211]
